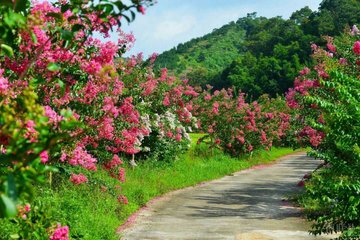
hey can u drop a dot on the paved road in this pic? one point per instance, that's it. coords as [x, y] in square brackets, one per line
[245, 206]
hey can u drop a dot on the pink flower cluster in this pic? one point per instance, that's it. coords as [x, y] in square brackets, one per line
[315, 137]
[4, 83]
[60, 233]
[31, 132]
[356, 48]
[54, 118]
[78, 178]
[83, 158]
[237, 126]
[44, 157]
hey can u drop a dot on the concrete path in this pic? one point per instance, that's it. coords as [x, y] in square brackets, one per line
[247, 205]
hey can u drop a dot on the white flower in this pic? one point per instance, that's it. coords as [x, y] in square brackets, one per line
[187, 137]
[146, 149]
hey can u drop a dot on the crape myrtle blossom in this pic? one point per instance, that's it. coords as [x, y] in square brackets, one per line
[239, 127]
[60, 233]
[78, 178]
[4, 83]
[356, 48]
[51, 74]
[83, 80]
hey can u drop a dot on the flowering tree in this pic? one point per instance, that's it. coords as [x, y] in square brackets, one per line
[239, 127]
[327, 100]
[164, 105]
[58, 83]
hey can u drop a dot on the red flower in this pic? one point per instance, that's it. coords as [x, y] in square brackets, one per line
[356, 47]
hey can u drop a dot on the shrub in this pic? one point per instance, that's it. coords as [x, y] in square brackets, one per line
[327, 100]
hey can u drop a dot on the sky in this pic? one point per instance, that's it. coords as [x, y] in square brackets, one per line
[170, 22]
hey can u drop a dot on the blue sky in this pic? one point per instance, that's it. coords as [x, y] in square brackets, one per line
[170, 22]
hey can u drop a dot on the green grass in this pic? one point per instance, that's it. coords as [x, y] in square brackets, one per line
[95, 214]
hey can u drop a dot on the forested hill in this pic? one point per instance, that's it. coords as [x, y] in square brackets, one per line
[256, 54]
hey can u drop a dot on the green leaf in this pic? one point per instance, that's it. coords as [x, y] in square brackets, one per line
[57, 16]
[53, 67]
[21, 5]
[65, 7]
[8, 51]
[6, 2]
[7, 206]
[67, 35]
[11, 187]
[15, 236]
[77, 27]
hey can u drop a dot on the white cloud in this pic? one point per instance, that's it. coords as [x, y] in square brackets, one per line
[169, 29]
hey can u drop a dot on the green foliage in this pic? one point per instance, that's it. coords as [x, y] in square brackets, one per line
[332, 198]
[162, 149]
[90, 211]
[201, 59]
[20, 165]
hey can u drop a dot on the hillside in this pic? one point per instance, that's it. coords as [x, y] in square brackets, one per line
[203, 58]
[256, 54]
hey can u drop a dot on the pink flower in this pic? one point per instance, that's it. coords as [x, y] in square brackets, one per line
[269, 115]
[106, 129]
[141, 9]
[4, 84]
[305, 71]
[207, 97]
[315, 137]
[166, 101]
[215, 109]
[31, 133]
[343, 61]
[60, 233]
[44, 156]
[263, 137]
[78, 178]
[164, 72]
[241, 139]
[331, 47]
[121, 175]
[123, 199]
[83, 158]
[27, 208]
[314, 47]
[114, 162]
[153, 58]
[355, 30]
[109, 106]
[52, 115]
[356, 47]
[63, 157]
[178, 137]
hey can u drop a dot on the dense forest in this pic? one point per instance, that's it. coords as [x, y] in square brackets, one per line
[257, 54]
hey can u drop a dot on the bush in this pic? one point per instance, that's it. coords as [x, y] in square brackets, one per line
[327, 100]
